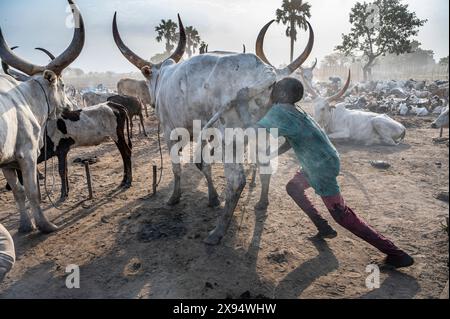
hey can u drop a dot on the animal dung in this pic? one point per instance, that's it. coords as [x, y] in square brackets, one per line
[380, 164]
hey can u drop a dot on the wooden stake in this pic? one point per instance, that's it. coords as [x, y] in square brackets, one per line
[155, 173]
[442, 132]
[88, 179]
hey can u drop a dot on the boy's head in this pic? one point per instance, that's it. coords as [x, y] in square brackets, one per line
[287, 91]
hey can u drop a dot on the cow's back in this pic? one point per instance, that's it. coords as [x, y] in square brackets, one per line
[197, 88]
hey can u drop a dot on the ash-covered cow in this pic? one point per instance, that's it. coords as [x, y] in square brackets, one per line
[24, 110]
[360, 127]
[137, 89]
[202, 86]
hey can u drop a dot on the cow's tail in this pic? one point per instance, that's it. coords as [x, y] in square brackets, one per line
[127, 117]
[124, 112]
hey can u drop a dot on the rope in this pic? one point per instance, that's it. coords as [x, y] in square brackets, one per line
[47, 193]
[161, 168]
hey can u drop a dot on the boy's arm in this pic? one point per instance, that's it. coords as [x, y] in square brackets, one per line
[286, 146]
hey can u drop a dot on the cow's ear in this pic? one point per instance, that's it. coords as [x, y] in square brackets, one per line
[50, 76]
[147, 71]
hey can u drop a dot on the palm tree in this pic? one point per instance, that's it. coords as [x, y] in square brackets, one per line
[193, 40]
[294, 13]
[167, 30]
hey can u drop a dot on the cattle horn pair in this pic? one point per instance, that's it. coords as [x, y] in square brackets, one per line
[332, 98]
[297, 62]
[138, 61]
[59, 63]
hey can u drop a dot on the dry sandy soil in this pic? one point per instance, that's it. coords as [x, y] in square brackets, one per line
[129, 244]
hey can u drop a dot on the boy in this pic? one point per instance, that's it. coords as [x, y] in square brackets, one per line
[7, 254]
[320, 164]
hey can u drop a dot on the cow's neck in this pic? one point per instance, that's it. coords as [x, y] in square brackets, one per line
[36, 99]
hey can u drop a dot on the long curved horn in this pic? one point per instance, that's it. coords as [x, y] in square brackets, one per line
[342, 91]
[297, 62]
[260, 43]
[16, 62]
[15, 74]
[57, 65]
[314, 65]
[181, 48]
[50, 55]
[134, 59]
[76, 46]
[304, 56]
[5, 66]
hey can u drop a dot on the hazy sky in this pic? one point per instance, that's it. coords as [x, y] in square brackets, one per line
[223, 24]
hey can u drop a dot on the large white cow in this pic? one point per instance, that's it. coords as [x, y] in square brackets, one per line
[200, 87]
[24, 110]
[365, 128]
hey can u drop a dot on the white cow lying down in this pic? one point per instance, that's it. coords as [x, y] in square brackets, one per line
[365, 128]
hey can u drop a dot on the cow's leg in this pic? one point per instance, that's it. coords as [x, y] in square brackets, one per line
[26, 224]
[131, 126]
[141, 118]
[28, 167]
[213, 197]
[205, 168]
[387, 135]
[125, 152]
[236, 180]
[63, 175]
[341, 135]
[176, 169]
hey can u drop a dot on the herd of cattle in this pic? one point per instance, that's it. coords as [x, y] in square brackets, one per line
[41, 118]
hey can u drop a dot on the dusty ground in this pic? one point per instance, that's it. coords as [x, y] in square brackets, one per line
[131, 245]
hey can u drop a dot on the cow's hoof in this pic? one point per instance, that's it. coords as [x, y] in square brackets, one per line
[26, 228]
[262, 205]
[125, 185]
[214, 202]
[47, 227]
[3, 273]
[173, 201]
[213, 239]
[252, 185]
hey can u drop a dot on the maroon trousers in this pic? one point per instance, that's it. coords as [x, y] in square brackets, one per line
[341, 213]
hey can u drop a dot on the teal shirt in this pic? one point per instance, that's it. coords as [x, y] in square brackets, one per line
[318, 157]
